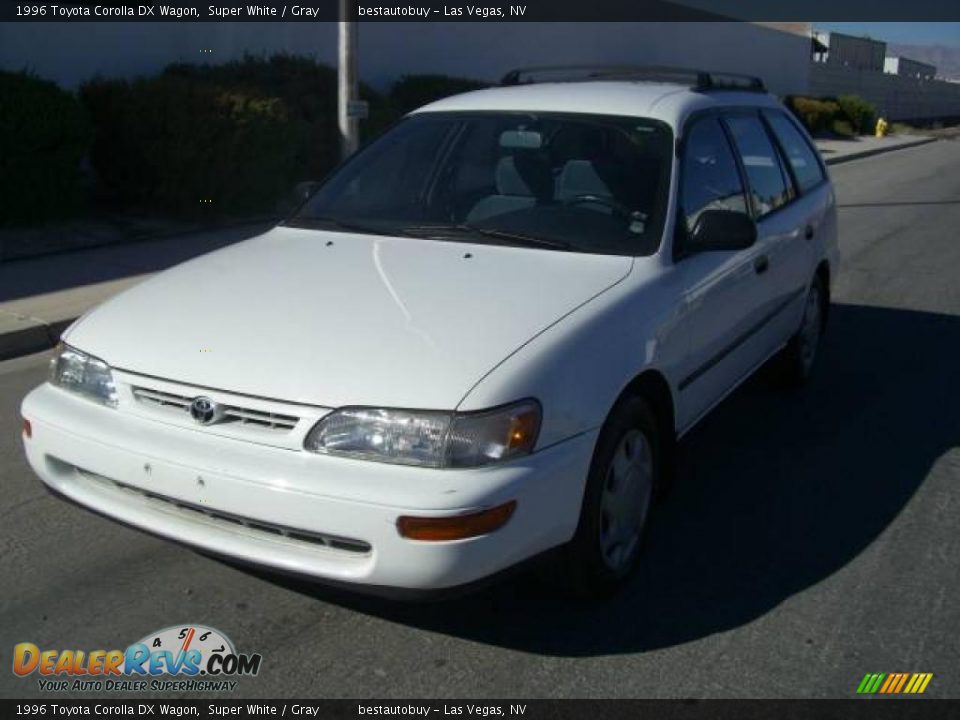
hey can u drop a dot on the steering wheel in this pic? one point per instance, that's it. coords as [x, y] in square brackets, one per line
[618, 208]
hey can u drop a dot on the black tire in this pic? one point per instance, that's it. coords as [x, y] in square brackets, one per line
[798, 358]
[585, 569]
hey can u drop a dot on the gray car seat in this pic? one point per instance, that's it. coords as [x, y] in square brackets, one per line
[522, 180]
[580, 177]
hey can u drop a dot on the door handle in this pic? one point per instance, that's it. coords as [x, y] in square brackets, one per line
[808, 233]
[760, 264]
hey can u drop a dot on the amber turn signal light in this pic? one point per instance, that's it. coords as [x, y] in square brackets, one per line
[523, 431]
[27, 429]
[457, 527]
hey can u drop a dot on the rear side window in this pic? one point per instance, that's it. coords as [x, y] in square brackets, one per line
[767, 178]
[710, 179]
[803, 161]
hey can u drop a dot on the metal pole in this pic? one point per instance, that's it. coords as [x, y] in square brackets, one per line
[347, 82]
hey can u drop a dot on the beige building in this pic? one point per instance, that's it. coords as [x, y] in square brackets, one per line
[906, 67]
[858, 53]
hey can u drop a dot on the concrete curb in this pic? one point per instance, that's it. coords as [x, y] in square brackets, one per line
[877, 151]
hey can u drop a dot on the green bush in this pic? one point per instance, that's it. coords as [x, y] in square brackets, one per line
[842, 127]
[44, 136]
[216, 140]
[412, 91]
[238, 135]
[307, 89]
[858, 112]
[816, 115]
[185, 147]
[845, 115]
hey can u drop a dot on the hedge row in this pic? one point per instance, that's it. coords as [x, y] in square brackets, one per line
[825, 115]
[233, 138]
[44, 136]
[861, 115]
[194, 140]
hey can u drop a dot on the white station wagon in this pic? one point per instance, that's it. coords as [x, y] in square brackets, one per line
[478, 340]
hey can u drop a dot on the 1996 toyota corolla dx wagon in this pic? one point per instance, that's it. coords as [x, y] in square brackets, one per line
[478, 340]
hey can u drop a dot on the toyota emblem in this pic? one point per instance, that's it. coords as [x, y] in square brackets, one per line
[204, 410]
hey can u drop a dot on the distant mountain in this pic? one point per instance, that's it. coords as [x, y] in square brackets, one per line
[946, 58]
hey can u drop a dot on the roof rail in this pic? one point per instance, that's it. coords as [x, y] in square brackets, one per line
[699, 80]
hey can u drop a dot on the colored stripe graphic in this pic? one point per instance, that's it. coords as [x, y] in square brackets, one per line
[918, 683]
[899, 680]
[894, 683]
[903, 681]
[870, 683]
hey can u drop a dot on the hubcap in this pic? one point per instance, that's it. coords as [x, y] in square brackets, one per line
[810, 331]
[627, 491]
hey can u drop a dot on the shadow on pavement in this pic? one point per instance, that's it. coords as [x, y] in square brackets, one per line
[778, 490]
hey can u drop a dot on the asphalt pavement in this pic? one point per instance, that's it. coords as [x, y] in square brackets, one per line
[812, 537]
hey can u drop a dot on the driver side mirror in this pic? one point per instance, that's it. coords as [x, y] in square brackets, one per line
[722, 230]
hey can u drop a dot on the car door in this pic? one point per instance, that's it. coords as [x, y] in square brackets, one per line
[722, 298]
[782, 218]
[813, 206]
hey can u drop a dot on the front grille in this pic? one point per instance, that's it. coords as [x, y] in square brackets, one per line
[358, 547]
[231, 413]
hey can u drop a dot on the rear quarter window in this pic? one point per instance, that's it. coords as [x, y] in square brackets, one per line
[769, 187]
[802, 158]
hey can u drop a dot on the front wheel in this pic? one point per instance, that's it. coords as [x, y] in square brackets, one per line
[623, 476]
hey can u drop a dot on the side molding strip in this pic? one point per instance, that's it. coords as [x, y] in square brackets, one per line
[739, 340]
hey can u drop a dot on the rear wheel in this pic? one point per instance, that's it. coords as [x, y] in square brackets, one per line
[623, 477]
[800, 354]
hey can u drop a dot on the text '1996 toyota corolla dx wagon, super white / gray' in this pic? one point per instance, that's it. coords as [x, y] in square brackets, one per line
[478, 340]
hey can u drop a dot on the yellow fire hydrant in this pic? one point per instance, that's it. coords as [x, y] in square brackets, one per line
[881, 129]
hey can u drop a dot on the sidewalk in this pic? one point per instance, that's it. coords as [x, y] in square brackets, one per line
[40, 296]
[844, 150]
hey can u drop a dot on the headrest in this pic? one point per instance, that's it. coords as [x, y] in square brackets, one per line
[524, 174]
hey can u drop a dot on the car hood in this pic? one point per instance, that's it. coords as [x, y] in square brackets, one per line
[337, 319]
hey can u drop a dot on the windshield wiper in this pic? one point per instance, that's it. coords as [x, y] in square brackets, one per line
[427, 231]
[510, 237]
[307, 221]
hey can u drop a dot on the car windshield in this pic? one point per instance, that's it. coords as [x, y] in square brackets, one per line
[574, 182]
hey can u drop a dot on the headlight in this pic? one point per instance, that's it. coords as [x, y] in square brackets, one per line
[85, 375]
[427, 438]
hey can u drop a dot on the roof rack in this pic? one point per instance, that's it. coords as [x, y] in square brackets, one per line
[698, 80]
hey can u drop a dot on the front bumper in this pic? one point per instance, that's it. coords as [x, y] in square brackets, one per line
[326, 517]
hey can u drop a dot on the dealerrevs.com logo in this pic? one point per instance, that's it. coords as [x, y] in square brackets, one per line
[199, 658]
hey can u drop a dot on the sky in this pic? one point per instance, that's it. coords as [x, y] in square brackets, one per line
[912, 33]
